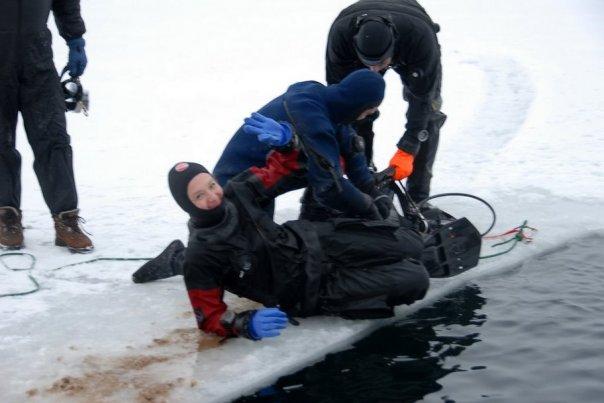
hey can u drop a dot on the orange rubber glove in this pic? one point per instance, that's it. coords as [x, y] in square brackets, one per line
[402, 163]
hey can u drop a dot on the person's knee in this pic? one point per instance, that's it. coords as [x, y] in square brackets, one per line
[422, 280]
[417, 275]
[51, 145]
[324, 193]
[315, 207]
[411, 285]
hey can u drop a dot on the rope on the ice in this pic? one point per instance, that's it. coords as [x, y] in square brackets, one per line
[104, 259]
[519, 235]
[33, 263]
[28, 269]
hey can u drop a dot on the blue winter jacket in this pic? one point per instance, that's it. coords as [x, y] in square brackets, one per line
[320, 116]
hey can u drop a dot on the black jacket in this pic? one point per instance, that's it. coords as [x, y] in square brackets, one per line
[23, 17]
[250, 255]
[25, 41]
[416, 56]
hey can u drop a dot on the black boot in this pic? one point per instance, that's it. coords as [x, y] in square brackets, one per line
[163, 266]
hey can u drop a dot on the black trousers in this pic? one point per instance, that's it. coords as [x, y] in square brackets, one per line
[29, 84]
[373, 291]
[371, 268]
[418, 183]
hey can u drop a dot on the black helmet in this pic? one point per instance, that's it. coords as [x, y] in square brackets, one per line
[374, 40]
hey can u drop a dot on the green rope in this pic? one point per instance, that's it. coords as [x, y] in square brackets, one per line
[33, 263]
[31, 278]
[104, 259]
[518, 237]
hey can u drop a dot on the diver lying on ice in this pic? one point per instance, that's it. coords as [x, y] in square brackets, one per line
[353, 268]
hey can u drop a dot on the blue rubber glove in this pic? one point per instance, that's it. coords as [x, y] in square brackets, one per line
[268, 130]
[267, 322]
[77, 57]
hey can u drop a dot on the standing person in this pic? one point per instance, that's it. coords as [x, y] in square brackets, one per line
[29, 84]
[379, 34]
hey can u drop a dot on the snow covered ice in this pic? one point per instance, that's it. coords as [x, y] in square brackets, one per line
[172, 81]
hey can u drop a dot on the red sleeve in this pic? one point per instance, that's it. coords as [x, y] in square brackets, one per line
[208, 307]
[278, 166]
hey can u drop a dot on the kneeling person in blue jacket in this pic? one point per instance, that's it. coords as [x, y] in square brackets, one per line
[319, 117]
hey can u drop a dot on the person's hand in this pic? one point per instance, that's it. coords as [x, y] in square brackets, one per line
[371, 212]
[267, 322]
[77, 57]
[402, 163]
[268, 130]
[383, 202]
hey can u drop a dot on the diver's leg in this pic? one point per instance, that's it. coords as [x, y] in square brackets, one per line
[169, 263]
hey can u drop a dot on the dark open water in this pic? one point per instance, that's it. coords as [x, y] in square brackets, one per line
[533, 334]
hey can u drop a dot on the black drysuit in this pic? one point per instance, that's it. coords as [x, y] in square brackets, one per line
[416, 60]
[29, 84]
[346, 267]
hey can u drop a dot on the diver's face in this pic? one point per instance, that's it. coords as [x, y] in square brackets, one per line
[366, 113]
[382, 66]
[204, 192]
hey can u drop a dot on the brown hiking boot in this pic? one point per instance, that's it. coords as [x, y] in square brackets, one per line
[11, 230]
[69, 233]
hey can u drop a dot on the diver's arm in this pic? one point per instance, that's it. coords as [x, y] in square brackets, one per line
[202, 274]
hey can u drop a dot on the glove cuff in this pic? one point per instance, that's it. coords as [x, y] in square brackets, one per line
[240, 325]
[287, 133]
[371, 212]
[410, 142]
[76, 43]
[290, 139]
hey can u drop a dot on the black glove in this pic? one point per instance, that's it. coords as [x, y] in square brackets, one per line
[371, 212]
[255, 324]
[238, 323]
[383, 202]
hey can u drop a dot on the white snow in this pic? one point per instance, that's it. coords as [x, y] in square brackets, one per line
[172, 81]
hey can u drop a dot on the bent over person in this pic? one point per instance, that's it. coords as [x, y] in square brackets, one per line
[346, 267]
[379, 34]
[320, 116]
[29, 84]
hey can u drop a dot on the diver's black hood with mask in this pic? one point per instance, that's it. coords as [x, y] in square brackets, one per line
[308, 102]
[178, 179]
[361, 90]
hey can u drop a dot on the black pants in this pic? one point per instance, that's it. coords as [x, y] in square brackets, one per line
[373, 291]
[372, 268]
[418, 183]
[29, 84]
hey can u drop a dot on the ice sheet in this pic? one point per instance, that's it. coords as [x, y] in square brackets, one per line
[172, 81]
